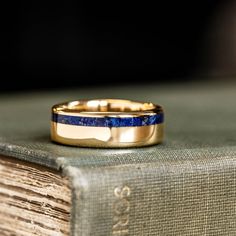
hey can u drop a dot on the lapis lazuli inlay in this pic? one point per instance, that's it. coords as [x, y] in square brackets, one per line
[109, 121]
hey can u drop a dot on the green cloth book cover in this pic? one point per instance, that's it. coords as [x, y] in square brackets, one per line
[184, 186]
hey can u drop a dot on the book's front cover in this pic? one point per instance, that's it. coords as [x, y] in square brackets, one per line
[185, 186]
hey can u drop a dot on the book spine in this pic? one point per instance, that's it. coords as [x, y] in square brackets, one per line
[194, 197]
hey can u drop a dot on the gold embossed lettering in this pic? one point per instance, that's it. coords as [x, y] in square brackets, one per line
[122, 192]
[124, 232]
[121, 211]
[121, 206]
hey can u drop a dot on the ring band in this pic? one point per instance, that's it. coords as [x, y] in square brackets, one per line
[110, 123]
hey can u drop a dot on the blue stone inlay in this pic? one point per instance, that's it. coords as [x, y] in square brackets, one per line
[109, 121]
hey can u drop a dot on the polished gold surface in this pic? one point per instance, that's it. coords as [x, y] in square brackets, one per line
[107, 137]
[103, 107]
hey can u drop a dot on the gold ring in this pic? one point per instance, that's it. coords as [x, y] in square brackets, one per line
[109, 123]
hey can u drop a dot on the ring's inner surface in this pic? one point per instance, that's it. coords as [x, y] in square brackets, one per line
[104, 105]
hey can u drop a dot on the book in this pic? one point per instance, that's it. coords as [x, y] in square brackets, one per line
[34, 200]
[184, 186]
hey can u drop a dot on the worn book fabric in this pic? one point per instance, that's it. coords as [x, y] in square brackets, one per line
[185, 186]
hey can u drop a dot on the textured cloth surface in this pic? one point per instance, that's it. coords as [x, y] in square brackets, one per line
[185, 186]
[199, 118]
